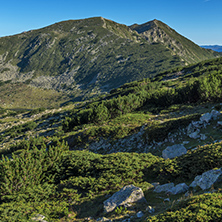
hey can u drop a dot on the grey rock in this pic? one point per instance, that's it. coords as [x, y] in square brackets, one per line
[139, 214]
[203, 137]
[206, 117]
[39, 217]
[190, 128]
[164, 188]
[196, 124]
[150, 209]
[128, 194]
[186, 142]
[195, 134]
[219, 123]
[174, 151]
[215, 114]
[207, 179]
[179, 188]
[103, 219]
[194, 183]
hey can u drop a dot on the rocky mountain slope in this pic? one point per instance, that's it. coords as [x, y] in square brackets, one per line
[149, 150]
[156, 31]
[90, 56]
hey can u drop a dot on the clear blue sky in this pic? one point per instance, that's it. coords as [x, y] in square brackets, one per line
[198, 20]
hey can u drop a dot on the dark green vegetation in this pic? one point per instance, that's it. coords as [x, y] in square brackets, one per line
[154, 96]
[62, 184]
[85, 57]
[206, 207]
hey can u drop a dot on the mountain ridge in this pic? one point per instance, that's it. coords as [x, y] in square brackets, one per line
[217, 48]
[91, 56]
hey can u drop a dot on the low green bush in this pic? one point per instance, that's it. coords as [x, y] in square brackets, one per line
[188, 166]
[159, 132]
[206, 207]
[93, 173]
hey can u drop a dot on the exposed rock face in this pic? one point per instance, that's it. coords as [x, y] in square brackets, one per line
[139, 214]
[207, 179]
[203, 137]
[128, 194]
[171, 189]
[164, 188]
[206, 117]
[179, 188]
[209, 116]
[195, 134]
[174, 151]
[193, 129]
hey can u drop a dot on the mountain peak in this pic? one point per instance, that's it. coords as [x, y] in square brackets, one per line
[148, 26]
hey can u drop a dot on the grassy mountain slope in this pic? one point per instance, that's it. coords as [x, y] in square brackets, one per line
[91, 56]
[115, 140]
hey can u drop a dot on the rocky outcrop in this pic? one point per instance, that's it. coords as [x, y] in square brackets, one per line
[174, 151]
[128, 194]
[164, 188]
[195, 135]
[207, 179]
[171, 189]
[193, 129]
[179, 188]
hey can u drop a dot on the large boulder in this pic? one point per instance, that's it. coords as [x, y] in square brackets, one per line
[208, 116]
[128, 194]
[174, 151]
[207, 179]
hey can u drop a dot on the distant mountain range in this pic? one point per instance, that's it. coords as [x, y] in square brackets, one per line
[217, 48]
[93, 55]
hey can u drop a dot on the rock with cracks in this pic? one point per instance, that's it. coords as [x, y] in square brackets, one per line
[128, 194]
[164, 188]
[179, 188]
[207, 179]
[174, 151]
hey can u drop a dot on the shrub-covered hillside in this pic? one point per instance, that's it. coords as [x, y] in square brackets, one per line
[62, 164]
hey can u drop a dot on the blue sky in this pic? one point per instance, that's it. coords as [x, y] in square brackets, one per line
[198, 20]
